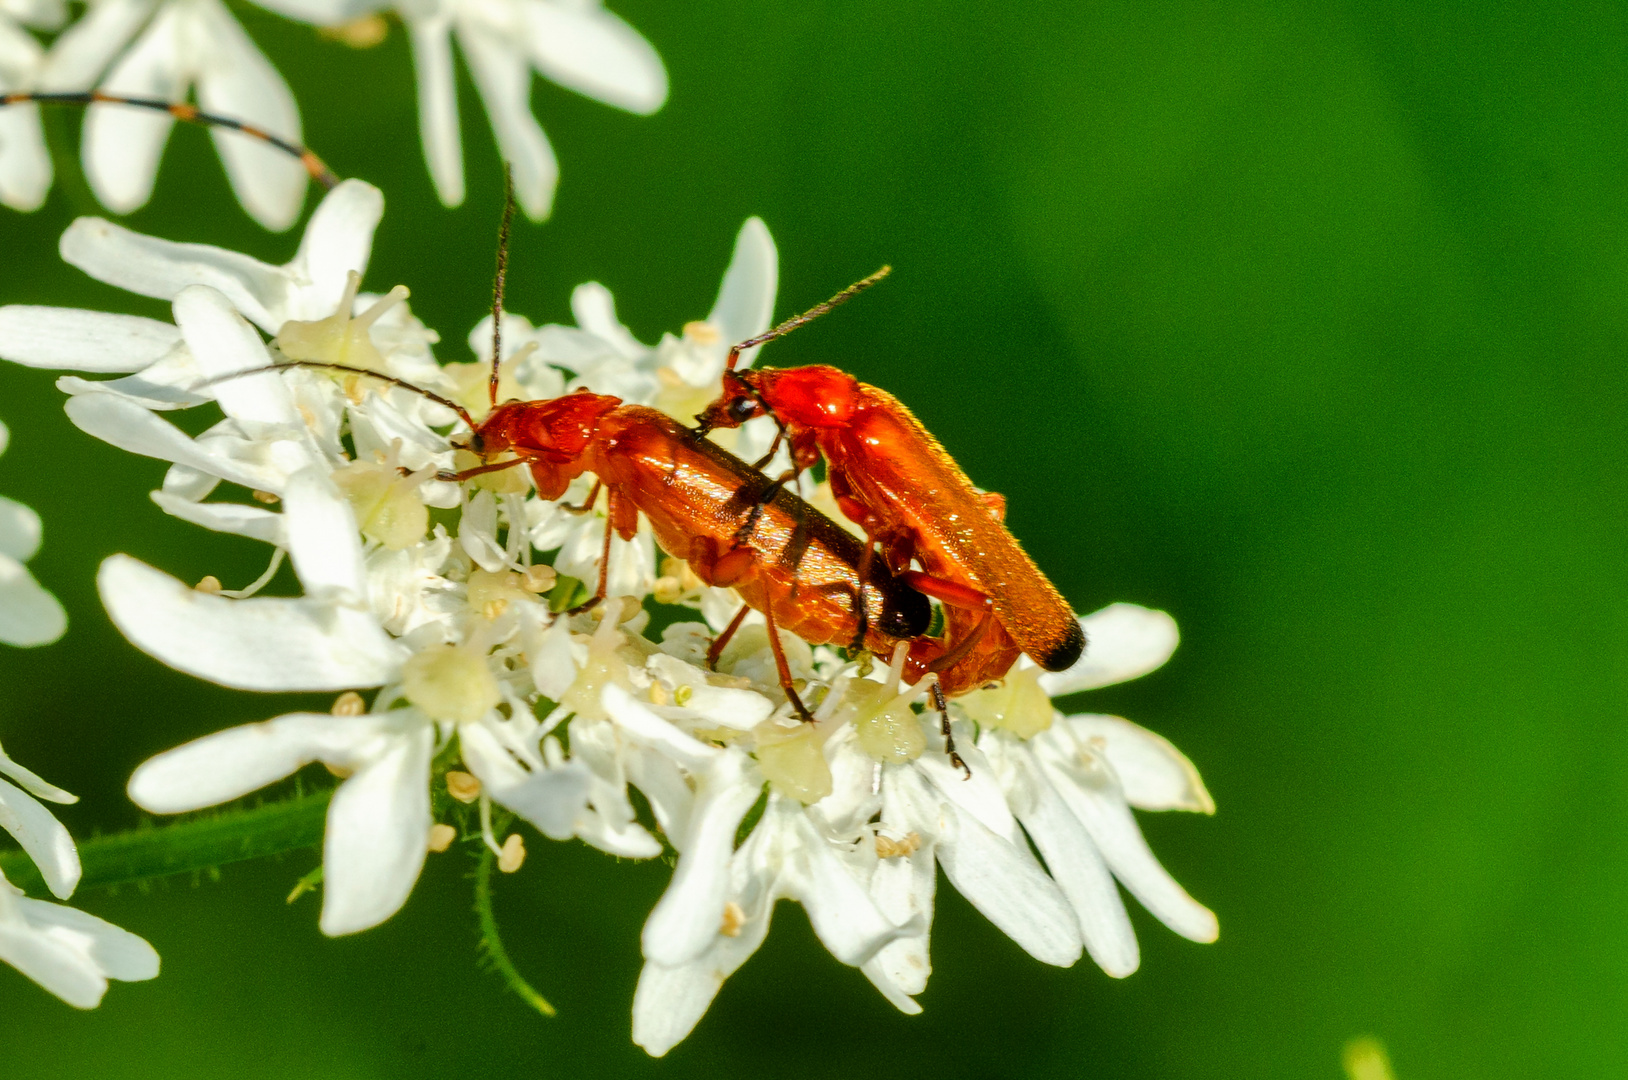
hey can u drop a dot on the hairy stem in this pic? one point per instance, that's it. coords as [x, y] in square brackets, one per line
[198, 843]
[492, 943]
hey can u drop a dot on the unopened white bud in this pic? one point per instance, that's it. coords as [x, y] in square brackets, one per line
[450, 682]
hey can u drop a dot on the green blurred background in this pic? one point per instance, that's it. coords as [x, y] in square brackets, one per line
[1303, 322]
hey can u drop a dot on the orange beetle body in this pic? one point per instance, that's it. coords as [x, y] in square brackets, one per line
[899, 484]
[799, 568]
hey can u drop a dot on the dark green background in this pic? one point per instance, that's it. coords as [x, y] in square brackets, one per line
[1304, 322]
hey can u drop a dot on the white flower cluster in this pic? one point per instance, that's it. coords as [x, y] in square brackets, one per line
[68, 952]
[455, 619]
[166, 49]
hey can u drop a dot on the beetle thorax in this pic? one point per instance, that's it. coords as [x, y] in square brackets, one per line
[816, 396]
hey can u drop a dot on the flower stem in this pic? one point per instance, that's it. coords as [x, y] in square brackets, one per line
[197, 843]
[492, 942]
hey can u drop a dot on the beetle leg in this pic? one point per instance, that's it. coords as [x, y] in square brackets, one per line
[784, 668]
[604, 572]
[743, 535]
[723, 570]
[587, 504]
[861, 607]
[953, 593]
[943, 708]
[779, 437]
[716, 649]
[478, 470]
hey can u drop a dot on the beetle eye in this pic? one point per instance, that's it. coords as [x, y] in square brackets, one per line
[742, 409]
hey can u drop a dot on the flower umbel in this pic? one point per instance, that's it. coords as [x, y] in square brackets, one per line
[491, 700]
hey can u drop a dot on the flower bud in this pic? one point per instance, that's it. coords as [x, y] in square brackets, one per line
[793, 760]
[1016, 704]
[450, 682]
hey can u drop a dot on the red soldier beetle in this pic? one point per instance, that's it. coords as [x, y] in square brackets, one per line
[914, 503]
[735, 527]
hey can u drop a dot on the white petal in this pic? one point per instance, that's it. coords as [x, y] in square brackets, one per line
[517, 331]
[595, 53]
[1010, 891]
[25, 165]
[550, 799]
[665, 787]
[68, 952]
[477, 532]
[82, 52]
[223, 343]
[130, 427]
[1079, 870]
[686, 918]
[979, 794]
[745, 303]
[903, 888]
[28, 614]
[117, 953]
[378, 834]
[726, 706]
[149, 266]
[438, 106]
[317, 12]
[1122, 641]
[151, 389]
[1094, 797]
[238, 81]
[322, 538]
[59, 968]
[42, 836]
[75, 340]
[594, 309]
[230, 764]
[883, 980]
[844, 918]
[257, 644]
[255, 522]
[185, 482]
[33, 783]
[338, 239]
[651, 730]
[122, 144]
[1152, 772]
[504, 82]
[39, 14]
[19, 530]
[671, 1000]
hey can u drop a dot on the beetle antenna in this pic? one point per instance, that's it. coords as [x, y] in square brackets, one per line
[182, 110]
[808, 316]
[323, 365]
[500, 278]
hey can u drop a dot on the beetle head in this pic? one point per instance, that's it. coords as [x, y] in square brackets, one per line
[817, 396]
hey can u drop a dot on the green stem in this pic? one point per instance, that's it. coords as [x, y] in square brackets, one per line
[199, 843]
[492, 943]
